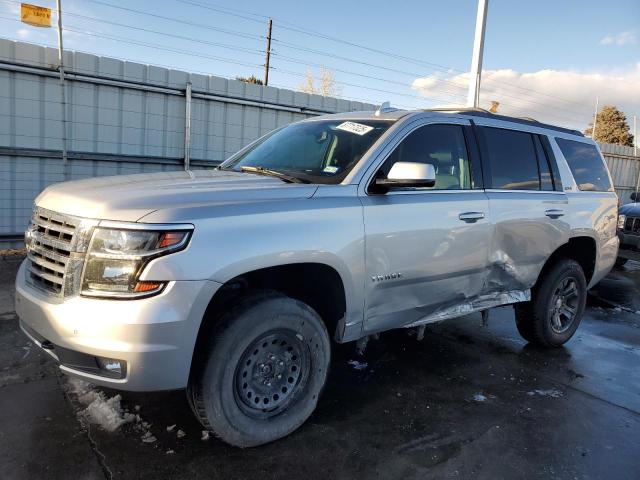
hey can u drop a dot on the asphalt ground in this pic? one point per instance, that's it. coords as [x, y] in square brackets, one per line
[467, 401]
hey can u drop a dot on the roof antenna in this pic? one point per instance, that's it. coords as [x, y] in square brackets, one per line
[384, 108]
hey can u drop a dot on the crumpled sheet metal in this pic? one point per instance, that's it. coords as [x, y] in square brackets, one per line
[481, 303]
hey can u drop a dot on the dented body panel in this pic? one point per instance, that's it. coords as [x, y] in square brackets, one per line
[443, 262]
[523, 236]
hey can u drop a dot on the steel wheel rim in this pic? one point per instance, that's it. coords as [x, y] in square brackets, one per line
[271, 372]
[564, 305]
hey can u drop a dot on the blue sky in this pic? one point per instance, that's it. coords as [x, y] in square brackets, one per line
[545, 59]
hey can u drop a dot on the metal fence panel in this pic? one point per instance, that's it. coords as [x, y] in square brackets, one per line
[122, 117]
[624, 168]
[125, 117]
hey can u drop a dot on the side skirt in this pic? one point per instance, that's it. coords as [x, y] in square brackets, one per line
[479, 304]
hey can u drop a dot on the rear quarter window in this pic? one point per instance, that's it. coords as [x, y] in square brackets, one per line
[586, 164]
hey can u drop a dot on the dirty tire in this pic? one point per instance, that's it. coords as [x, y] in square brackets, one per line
[621, 261]
[262, 370]
[536, 319]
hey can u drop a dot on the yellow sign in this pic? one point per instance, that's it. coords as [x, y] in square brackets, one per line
[34, 15]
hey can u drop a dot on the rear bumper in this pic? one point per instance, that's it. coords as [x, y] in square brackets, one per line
[155, 336]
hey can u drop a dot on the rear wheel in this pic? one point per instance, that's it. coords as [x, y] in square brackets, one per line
[552, 316]
[263, 370]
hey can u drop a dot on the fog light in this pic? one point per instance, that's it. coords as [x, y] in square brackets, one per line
[112, 367]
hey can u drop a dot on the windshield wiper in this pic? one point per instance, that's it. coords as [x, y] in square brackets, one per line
[272, 173]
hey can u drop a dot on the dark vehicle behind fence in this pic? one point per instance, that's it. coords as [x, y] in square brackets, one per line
[629, 231]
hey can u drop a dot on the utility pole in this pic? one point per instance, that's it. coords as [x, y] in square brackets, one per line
[635, 135]
[595, 121]
[266, 63]
[63, 92]
[473, 97]
[187, 127]
[635, 152]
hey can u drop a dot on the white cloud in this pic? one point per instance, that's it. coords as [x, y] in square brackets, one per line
[554, 96]
[623, 38]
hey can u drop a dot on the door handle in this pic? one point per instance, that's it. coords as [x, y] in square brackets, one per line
[471, 217]
[554, 213]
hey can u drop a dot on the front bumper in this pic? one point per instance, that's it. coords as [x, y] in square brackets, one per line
[629, 241]
[629, 246]
[155, 336]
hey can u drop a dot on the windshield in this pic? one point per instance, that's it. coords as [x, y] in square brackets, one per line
[322, 151]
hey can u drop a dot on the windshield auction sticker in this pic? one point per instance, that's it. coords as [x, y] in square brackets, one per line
[357, 128]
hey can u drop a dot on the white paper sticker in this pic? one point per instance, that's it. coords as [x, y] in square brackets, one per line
[330, 169]
[357, 128]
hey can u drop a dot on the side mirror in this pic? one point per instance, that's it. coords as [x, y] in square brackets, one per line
[408, 175]
[635, 197]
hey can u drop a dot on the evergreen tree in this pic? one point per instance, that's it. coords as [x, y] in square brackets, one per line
[611, 127]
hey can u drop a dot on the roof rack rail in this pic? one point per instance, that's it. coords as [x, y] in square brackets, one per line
[481, 112]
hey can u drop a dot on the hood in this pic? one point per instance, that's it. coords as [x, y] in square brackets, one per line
[130, 197]
[630, 209]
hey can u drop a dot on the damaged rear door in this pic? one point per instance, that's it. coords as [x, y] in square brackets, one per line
[426, 249]
[527, 204]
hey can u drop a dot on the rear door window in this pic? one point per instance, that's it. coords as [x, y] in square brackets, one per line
[586, 164]
[511, 158]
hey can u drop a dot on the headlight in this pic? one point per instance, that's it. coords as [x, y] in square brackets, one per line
[621, 220]
[116, 258]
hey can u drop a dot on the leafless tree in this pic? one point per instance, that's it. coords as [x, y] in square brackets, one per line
[324, 84]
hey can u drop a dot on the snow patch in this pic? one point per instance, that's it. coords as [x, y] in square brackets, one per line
[358, 365]
[100, 410]
[148, 437]
[205, 435]
[478, 397]
[552, 392]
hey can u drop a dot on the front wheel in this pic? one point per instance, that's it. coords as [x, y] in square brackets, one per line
[552, 316]
[264, 367]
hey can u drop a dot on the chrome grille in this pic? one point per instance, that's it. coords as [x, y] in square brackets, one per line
[632, 225]
[55, 249]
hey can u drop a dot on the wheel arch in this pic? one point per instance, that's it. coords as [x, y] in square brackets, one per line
[317, 284]
[582, 249]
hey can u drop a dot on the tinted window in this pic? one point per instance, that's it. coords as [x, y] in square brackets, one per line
[587, 166]
[546, 180]
[442, 146]
[512, 159]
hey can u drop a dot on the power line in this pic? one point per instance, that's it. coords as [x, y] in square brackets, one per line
[234, 47]
[293, 60]
[177, 20]
[292, 27]
[282, 24]
[286, 25]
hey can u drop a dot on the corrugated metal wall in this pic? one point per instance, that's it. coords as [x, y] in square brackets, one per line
[123, 117]
[624, 168]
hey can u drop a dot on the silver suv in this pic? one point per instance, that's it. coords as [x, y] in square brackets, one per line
[230, 282]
